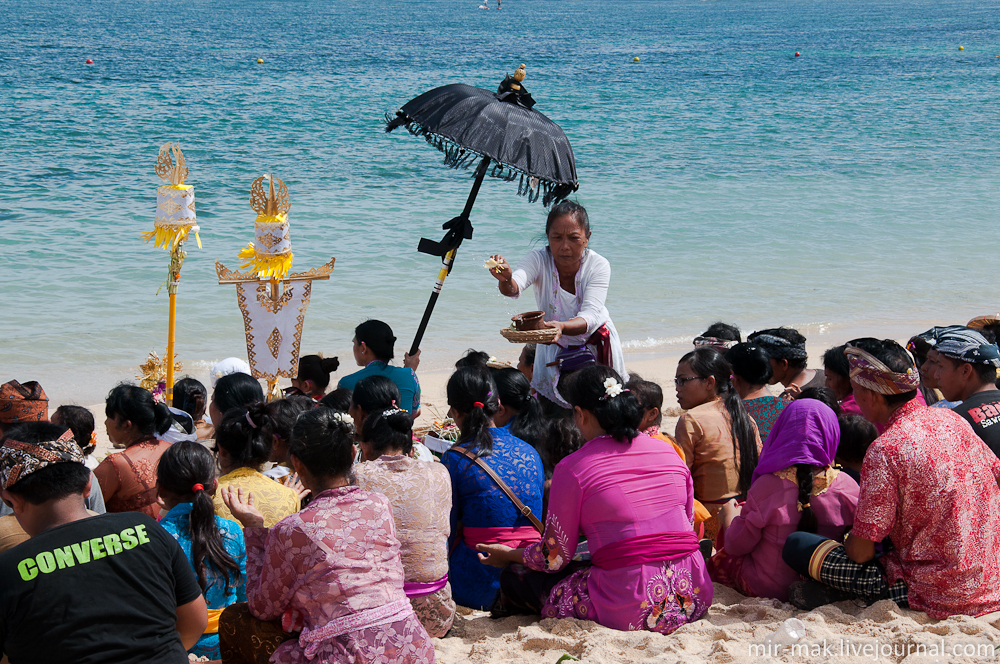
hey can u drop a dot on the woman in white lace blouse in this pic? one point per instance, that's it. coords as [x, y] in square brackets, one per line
[420, 494]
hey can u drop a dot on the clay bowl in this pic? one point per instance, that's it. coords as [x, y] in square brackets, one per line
[529, 320]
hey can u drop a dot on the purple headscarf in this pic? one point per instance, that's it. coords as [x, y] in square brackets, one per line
[807, 431]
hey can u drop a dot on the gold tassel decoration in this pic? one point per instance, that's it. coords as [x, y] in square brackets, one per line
[266, 266]
[169, 236]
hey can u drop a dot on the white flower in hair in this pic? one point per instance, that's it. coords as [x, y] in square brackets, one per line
[612, 388]
[343, 418]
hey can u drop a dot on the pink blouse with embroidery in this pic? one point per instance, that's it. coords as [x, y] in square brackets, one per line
[930, 484]
[771, 514]
[610, 491]
[338, 556]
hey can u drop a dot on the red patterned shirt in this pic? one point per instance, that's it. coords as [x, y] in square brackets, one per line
[930, 484]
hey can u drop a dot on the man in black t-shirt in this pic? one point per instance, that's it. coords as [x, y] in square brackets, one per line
[967, 371]
[86, 589]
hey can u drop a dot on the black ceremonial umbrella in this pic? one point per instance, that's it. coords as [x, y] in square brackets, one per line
[505, 135]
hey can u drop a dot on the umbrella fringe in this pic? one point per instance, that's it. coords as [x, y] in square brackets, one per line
[458, 157]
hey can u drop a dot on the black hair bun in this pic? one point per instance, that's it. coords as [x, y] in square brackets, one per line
[330, 364]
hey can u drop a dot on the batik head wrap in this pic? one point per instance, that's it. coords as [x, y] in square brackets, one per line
[871, 373]
[23, 403]
[721, 345]
[18, 460]
[966, 345]
[779, 348]
[933, 335]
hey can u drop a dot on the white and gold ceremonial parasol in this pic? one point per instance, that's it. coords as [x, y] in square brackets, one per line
[273, 301]
[175, 221]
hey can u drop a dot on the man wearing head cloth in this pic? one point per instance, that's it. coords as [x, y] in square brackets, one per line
[86, 589]
[922, 348]
[966, 371]
[786, 349]
[928, 483]
[22, 402]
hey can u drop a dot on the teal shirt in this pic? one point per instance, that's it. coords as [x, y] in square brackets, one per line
[405, 379]
[217, 595]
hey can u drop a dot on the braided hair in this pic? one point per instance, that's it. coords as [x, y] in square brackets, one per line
[804, 477]
[191, 397]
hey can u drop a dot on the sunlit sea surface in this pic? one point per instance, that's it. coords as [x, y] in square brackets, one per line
[855, 188]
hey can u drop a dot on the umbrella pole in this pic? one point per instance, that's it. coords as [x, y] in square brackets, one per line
[449, 259]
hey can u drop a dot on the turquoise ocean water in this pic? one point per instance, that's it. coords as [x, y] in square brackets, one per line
[856, 187]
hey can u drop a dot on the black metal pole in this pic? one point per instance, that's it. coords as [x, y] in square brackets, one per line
[449, 259]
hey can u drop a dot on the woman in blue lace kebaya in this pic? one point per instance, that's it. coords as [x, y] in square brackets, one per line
[481, 512]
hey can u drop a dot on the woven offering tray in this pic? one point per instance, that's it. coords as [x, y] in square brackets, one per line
[543, 336]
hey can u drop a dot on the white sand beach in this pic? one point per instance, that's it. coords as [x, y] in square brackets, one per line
[733, 632]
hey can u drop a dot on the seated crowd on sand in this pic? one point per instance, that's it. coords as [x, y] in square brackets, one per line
[317, 527]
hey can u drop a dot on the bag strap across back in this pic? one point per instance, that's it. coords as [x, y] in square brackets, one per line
[521, 507]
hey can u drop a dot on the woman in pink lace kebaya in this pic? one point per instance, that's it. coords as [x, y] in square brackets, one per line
[631, 496]
[331, 572]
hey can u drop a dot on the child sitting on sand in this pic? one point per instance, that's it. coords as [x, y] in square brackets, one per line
[751, 375]
[795, 488]
[80, 421]
[185, 482]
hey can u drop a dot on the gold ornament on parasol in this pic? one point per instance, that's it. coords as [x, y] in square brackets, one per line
[273, 301]
[271, 255]
[175, 215]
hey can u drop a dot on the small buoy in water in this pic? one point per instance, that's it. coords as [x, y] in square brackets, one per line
[89, 61]
[961, 48]
[260, 61]
[635, 59]
[797, 54]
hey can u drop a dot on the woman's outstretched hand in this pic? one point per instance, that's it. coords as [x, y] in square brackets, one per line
[243, 507]
[501, 270]
[497, 555]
